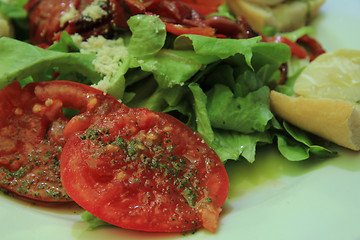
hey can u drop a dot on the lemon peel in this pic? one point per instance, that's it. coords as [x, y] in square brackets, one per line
[326, 99]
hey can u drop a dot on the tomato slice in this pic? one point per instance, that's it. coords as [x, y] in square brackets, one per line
[146, 171]
[32, 127]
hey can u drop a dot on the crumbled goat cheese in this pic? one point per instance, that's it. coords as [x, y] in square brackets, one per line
[71, 14]
[109, 57]
[94, 11]
[77, 38]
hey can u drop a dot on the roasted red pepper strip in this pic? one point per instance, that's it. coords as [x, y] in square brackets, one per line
[295, 48]
[178, 29]
[314, 47]
[304, 47]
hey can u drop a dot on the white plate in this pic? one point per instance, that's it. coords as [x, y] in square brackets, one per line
[270, 199]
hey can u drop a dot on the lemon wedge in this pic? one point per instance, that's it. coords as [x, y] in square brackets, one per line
[326, 99]
[335, 120]
[334, 75]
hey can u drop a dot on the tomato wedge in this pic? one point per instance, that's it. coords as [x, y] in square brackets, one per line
[146, 171]
[32, 133]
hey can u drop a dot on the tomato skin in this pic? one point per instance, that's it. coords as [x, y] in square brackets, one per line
[32, 127]
[145, 171]
[29, 161]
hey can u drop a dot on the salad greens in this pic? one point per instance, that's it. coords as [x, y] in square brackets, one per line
[218, 87]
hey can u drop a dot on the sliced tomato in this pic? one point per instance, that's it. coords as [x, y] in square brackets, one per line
[32, 135]
[147, 171]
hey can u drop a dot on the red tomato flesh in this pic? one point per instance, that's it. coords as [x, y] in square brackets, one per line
[146, 171]
[32, 135]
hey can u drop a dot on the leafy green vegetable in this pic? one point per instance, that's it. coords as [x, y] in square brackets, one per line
[246, 115]
[19, 60]
[65, 44]
[93, 221]
[233, 145]
[227, 144]
[222, 48]
[13, 9]
[144, 42]
[203, 122]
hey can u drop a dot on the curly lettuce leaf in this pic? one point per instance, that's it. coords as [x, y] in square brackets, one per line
[148, 35]
[19, 60]
[241, 114]
[297, 145]
[172, 67]
[227, 144]
[13, 9]
[221, 48]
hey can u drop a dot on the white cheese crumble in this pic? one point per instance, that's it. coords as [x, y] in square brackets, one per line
[94, 11]
[109, 56]
[77, 38]
[71, 14]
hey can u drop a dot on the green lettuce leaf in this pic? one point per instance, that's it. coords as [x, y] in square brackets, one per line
[222, 48]
[148, 35]
[227, 144]
[19, 60]
[297, 145]
[245, 115]
[93, 221]
[173, 67]
[13, 9]
[231, 145]
[202, 118]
